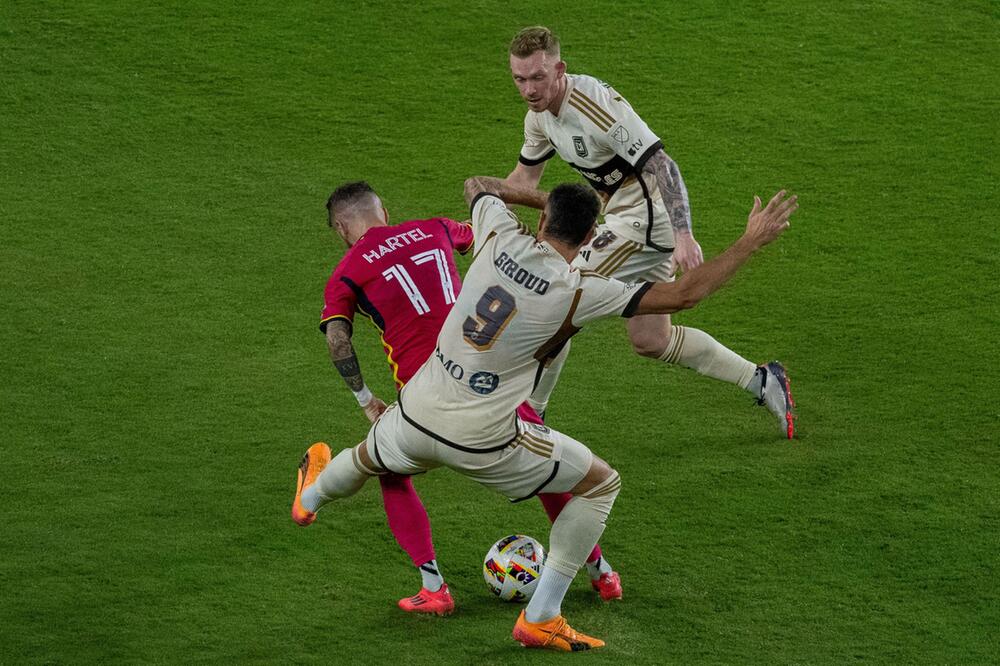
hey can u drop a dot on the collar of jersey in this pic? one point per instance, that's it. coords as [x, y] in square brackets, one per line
[565, 99]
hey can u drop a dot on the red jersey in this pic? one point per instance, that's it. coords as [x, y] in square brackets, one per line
[403, 278]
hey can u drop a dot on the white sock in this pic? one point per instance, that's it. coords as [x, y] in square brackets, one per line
[431, 575]
[598, 568]
[340, 478]
[573, 535]
[696, 349]
[546, 602]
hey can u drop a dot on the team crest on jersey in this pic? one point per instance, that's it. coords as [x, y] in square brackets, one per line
[484, 382]
[581, 147]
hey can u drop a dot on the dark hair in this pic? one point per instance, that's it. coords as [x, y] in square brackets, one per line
[571, 212]
[346, 194]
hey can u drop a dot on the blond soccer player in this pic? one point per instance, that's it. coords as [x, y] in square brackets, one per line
[646, 233]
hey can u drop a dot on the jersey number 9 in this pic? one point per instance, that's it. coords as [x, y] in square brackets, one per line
[493, 312]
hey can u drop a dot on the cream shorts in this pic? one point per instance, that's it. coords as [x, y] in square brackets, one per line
[612, 255]
[536, 459]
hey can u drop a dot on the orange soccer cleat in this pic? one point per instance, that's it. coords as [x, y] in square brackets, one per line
[554, 634]
[316, 458]
[609, 585]
[425, 601]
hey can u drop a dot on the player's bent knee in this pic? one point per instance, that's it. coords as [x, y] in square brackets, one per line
[649, 341]
[602, 496]
[649, 334]
[599, 473]
[648, 347]
[364, 462]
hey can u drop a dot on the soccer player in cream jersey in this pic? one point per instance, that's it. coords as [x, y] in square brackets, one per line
[404, 280]
[521, 301]
[646, 234]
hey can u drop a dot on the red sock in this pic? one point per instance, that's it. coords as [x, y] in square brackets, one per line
[407, 517]
[554, 503]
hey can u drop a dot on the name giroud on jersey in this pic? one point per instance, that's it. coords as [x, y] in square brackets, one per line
[396, 242]
[521, 276]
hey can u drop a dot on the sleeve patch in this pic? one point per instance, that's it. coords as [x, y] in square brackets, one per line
[633, 303]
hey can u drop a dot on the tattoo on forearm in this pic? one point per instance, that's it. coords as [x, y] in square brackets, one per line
[351, 372]
[338, 339]
[672, 189]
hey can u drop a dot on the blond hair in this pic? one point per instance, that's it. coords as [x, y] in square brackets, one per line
[532, 39]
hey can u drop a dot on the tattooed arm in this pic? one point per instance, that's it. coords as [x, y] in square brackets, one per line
[338, 339]
[509, 193]
[687, 251]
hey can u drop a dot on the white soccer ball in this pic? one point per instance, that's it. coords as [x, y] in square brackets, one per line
[512, 567]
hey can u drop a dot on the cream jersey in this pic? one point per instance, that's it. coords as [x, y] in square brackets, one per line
[519, 305]
[598, 134]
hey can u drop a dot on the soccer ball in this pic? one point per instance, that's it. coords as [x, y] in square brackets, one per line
[512, 567]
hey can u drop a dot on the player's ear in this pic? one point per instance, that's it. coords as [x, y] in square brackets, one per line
[341, 230]
[560, 68]
[589, 237]
[385, 215]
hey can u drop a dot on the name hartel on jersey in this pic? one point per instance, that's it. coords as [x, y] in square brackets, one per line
[528, 280]
[396, 242]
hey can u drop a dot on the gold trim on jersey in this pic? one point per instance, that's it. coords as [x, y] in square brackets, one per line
[617, 259]
[483, 246]
[565, 332]
[591, 110]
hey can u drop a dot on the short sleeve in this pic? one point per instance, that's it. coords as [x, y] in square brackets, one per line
[605, 297]
[536, 148]
[339, 301]
[490, 217]
[459, 234]
[626, 133]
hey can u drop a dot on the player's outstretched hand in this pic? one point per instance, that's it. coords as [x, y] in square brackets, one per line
[374, 409]
[767, 223]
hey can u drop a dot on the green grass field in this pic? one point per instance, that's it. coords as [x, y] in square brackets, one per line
[163, 170]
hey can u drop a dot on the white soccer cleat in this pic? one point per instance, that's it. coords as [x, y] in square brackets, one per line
[776, 394]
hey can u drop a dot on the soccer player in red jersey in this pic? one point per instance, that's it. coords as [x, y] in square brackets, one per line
[404, 280]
